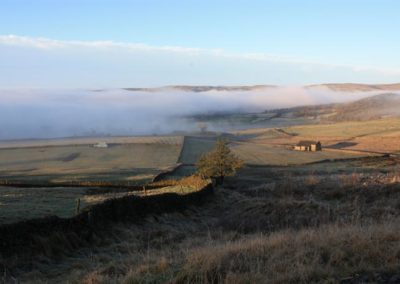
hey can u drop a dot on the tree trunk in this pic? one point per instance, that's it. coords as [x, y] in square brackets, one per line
[221, 180]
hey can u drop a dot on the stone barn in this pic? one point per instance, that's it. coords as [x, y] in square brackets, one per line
[101, 145]
[308, 146]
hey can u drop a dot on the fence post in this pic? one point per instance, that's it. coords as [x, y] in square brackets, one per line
[78, 206]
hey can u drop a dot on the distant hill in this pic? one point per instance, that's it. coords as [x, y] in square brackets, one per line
[375, 107]
[352, 87]
[370, 108]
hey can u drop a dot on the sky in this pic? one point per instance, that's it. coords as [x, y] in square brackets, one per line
[145, 43]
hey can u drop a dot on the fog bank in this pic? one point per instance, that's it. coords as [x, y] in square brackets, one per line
[46, 113]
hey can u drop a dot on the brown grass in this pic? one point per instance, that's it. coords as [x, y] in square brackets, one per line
[190, 181]
[327, 254]
[267, 225]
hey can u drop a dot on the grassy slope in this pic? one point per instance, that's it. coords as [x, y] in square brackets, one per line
[258, 229]
[327, 254]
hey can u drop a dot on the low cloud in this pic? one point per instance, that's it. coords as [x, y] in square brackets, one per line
[41, 113]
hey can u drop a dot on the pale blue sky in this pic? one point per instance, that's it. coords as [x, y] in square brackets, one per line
[235, 42]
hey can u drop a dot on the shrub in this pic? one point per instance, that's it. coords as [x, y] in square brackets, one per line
[219, 163]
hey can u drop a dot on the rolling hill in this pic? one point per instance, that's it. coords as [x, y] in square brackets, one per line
[353, 87]
[370, 108]
[374, 107]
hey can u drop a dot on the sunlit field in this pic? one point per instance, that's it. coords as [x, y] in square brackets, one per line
[131, 160]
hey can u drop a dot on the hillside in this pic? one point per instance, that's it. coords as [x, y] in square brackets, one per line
[287, 225]
[374, 107]
[370, 108]
[353, 87]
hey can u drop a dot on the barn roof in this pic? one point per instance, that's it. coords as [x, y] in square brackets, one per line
[307, 143]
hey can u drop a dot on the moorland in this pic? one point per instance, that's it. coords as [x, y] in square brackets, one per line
[286, 216]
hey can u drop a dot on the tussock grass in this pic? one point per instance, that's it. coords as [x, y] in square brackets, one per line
[327, 254]
[259, 228]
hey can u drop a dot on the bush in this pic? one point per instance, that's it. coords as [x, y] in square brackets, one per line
[219, 163]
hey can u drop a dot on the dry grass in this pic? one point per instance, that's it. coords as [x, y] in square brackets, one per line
[190, 181]
[327, 254]
[372, 136]
[348, 129]
[267, 225]
[301, 229]
[265, 154]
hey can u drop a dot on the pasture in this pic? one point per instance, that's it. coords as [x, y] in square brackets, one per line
[131, 161]
[264, 154]
[349, 129]
[375, 136]
[17, 204]
[127, 161]
[339, 140]
[194, 147]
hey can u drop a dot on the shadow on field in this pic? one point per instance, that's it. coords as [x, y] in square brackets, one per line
[54, 236]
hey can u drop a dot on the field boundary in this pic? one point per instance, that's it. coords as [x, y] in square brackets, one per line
[179, 161]
[52, 236]
[320, 162]
[163, 174]
[89, 185]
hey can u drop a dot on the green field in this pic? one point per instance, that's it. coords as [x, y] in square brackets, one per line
[127, 160]
[135, 161]
[194, 147]
[131, 161]
[18, 204]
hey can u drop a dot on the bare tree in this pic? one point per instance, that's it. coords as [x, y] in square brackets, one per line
[202, 126]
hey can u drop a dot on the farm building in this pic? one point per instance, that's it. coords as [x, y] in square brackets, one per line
[311, 146]
[101, 145]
